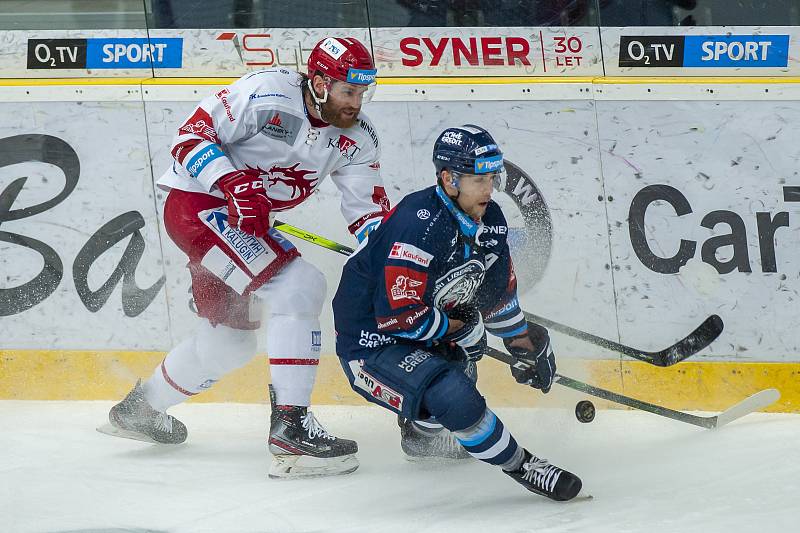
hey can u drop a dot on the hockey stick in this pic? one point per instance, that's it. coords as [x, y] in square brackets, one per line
[700, 338]
[312, 237]
[749, 405]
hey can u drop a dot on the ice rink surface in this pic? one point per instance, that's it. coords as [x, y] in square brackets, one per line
[646, 474]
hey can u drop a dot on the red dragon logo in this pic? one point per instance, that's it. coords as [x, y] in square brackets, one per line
[293, 178]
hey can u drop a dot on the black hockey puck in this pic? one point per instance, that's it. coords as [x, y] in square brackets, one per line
[584, 411]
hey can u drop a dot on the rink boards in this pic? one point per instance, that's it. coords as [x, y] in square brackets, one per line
[640, 207]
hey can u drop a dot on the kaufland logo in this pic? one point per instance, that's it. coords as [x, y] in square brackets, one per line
[361, 76]
[409, 252]
[488, 164]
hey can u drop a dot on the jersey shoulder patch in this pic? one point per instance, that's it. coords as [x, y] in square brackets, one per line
[272, 88]
[420, 219]
[365, 125]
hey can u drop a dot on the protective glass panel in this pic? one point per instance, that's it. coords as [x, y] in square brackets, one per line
[699, 12]
[72, 15]
[202, 14]
[454, 13]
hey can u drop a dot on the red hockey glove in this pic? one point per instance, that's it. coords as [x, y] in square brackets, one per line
[248, 205]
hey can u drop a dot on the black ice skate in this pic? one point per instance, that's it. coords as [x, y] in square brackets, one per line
[539, 476]
[301, 447]
[421, 443]
[134, 418]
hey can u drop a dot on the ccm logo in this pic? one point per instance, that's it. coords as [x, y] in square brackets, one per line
[242, 187]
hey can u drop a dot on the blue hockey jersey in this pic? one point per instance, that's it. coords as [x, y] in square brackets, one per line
[426, 257]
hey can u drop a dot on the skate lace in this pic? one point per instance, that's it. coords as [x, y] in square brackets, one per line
[164, 422]
[314, 428]
[541, 473]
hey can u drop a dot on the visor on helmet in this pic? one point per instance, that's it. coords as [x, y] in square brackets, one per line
[355, 93]
[498, 178]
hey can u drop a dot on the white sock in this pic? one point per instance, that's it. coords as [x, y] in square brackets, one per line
[293, 345]
[197, 363]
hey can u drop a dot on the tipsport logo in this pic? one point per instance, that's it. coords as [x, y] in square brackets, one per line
[361, 76]
[199, 161]
[484, 165]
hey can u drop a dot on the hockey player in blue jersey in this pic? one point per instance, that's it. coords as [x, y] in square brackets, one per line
[417, 298]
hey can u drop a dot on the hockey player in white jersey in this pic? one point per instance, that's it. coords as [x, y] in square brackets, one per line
[261, 145]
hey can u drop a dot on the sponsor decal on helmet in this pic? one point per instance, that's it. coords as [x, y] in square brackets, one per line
[483, 149]
[452, 137]
[333, 47]
[484, 165]
[361, 76]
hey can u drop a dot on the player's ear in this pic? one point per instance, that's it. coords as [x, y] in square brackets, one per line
[318, 82]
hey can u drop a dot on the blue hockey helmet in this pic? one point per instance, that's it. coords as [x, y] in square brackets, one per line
[468, 149]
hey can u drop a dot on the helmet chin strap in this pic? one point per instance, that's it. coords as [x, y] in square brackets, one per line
[317, 101]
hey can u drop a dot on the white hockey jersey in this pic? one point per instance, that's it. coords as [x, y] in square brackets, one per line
[260, 122]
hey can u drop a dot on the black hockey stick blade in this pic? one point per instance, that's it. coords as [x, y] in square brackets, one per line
[749, 405]
[700, 338]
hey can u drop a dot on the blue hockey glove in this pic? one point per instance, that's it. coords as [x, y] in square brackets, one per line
[470, 338]
[536, 367]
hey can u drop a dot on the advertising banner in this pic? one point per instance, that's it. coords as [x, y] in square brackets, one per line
[79, 244]
[633, 221]
[705, 220]
[404, 52]
[82, 53]
[507, 51]
[229, 53]
[398, 51]
[213, 53]
[701, 51]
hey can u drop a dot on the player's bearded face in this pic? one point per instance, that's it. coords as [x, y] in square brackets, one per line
[343, 105]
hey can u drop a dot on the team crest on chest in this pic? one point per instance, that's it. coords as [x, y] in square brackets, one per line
[459, 285]
[288, 186]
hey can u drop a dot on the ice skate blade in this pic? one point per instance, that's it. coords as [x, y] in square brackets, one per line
[436, 460]
[114, 431]
[306, 466]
